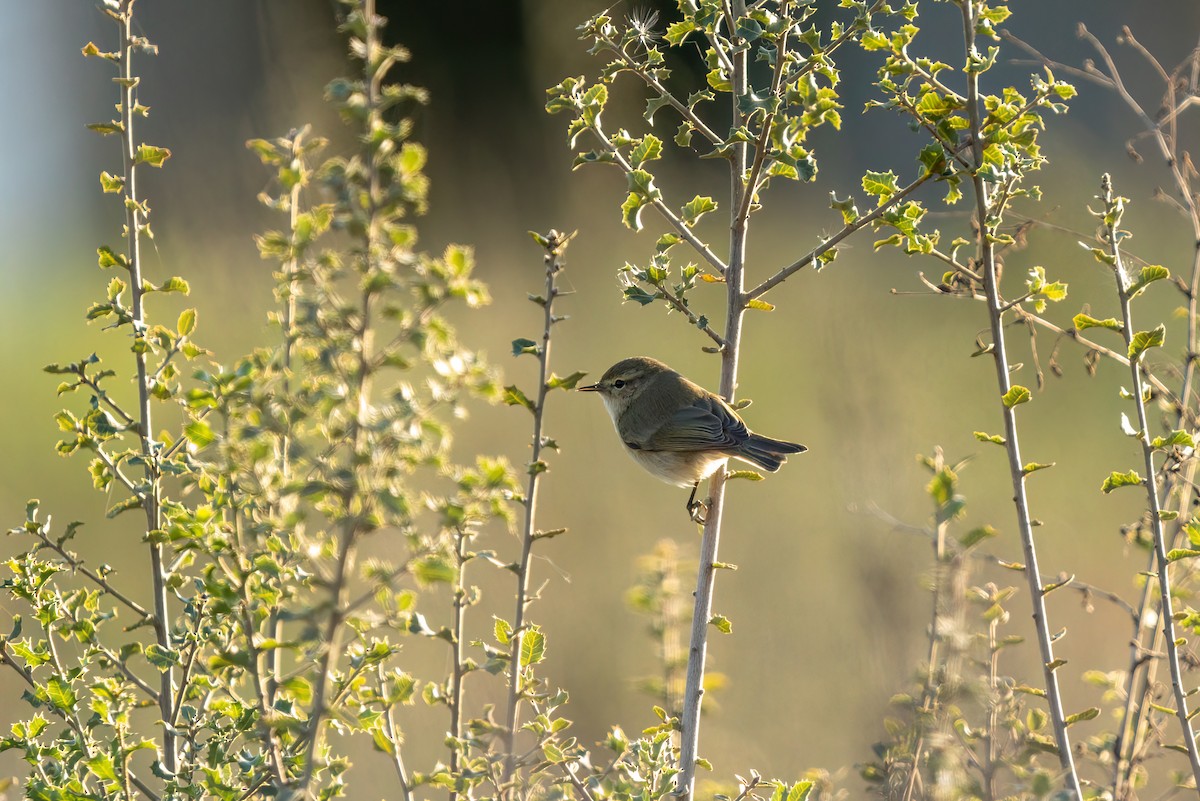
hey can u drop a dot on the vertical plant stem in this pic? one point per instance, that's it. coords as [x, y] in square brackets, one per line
[151, 496]
[456, 687]
[286, 503]
[359, 394]
[990, 760]
[670, 621]
[516, 690]
[987, 258]
[1166, 612]
[693, 694]
[393, 735]
[929, 692]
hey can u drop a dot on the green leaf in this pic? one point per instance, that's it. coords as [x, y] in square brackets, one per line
[977, 535]
[160, 657]
[515, 397]
[434, 569]
[1084, 321]
[846, 207]
[101, 765]
[1149, 274]
[631, 211]
[132, 502]
[696, 208]
[983, 436]
[678, 31]
[749, 475]
[1087, 714]
[502, 630]
[175, 284]
[1116, 480]
[721, 623]
[520, 346]
[60, 694]
[1033, 467]
[1144, 340]
[565, 382]
[112, 183]
[107, 258]
[149, 154]
[1180, 438]
[187, 322]
[533, 647]
[880, 184]
[106, 128]
[199, 433]
[799, 791]
[552, 753]
[1182, 553]
[1016, 395]
[648, 148]
[761, 305]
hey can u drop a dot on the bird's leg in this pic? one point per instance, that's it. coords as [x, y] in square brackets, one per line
[697, 510]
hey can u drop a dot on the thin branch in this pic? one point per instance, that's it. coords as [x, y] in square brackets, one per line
[555, 244]
[670, 216]
[1112, 218]
[684, 110]
[760, 144]
[681, 306]
[850, 228]
[360, 392]
[393, 735]
[735, 308]
[984, 213]
[127, 672]
[8, 659]
[77, 565]
[135, 223]
[833, 241]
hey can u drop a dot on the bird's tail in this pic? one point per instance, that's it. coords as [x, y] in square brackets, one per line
[765, 452]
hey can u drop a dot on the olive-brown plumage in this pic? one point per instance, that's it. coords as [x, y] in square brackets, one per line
[678, 430]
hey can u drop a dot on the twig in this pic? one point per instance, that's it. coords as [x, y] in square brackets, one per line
[455, 701]
[359, 395]
[135, 222]
[679, 305]
[393, 735]
[735, 304]
[984, 213]
[1112, 220]
[555, 244]
[670, 216]
[760, 143]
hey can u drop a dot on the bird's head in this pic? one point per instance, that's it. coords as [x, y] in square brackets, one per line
[626, 380]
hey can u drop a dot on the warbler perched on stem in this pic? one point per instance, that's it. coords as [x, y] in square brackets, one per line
[679, 431]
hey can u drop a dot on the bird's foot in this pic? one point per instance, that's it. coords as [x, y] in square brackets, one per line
[698, 511]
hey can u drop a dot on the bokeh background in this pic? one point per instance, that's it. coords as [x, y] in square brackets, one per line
[828, 607]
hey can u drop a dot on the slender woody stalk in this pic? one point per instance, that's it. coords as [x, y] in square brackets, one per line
[360, 392]
[987, 258]
[135, 221]
[555, 245]
[1112, 219]
[693, 695]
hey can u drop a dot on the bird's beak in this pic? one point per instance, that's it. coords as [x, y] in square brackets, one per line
[589, 388]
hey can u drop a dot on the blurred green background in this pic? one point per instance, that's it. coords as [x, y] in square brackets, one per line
[827, 605]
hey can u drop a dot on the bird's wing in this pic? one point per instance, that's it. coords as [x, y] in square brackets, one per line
[706, 425]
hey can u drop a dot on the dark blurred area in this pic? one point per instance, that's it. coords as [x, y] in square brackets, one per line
[829, 614]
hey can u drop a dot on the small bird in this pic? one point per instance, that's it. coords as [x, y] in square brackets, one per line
[679, 431]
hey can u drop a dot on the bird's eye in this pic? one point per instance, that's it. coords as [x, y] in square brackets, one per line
[619, 383]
